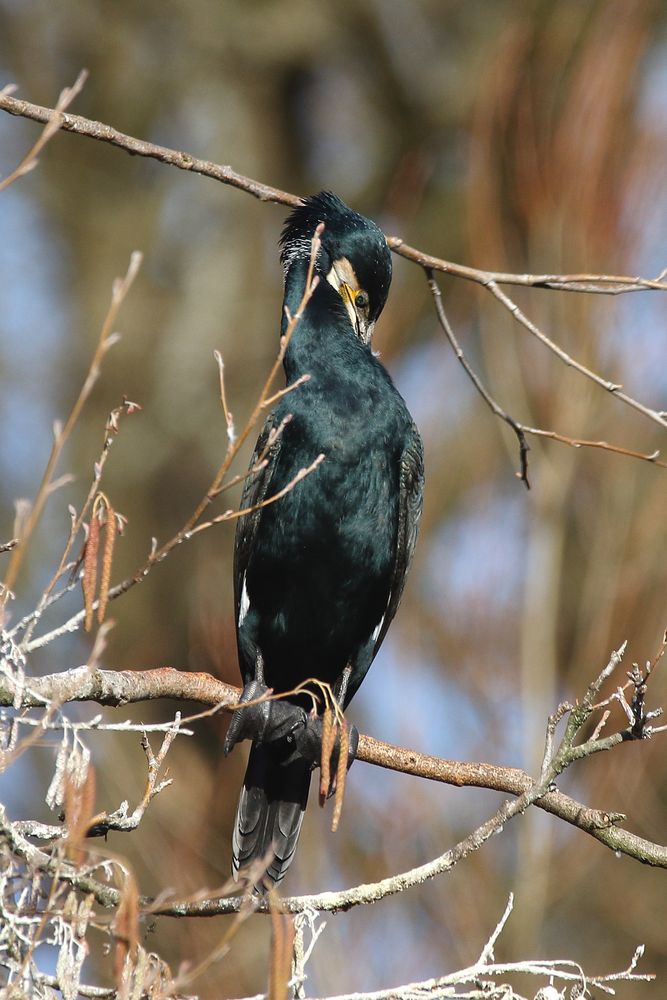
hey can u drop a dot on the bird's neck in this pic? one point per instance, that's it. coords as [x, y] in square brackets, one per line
[324, 321]
[295, 289]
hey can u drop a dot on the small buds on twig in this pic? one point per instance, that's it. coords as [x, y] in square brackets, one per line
[111, 530]
[341, 773]
[103, 517]
[328, 740]
[90, 569]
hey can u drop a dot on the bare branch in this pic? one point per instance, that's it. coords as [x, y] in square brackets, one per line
[652, 457]
[232, 515]
[592, 283]
[193, 525]
[121, 287]
[656, 415]
[53, 124]
[229, 419]
[184, 161]
[520, 429]
[114, 688]
[601, 284]
[482, 975]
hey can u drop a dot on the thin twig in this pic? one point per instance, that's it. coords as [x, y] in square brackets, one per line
[617, 390]
[652, 457]
[53, 124]
[231, 515]
[272, 400]
[519, 428]
[191, 526]
[229, 419]
[121, 819]
[522, 474]
[107, 339]
[600, 284]
[486, 954]
[48, 597]
[137, 147]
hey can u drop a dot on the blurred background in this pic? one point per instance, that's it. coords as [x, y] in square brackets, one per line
[518, 136]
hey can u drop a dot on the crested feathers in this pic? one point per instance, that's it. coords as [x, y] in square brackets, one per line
[346, 234]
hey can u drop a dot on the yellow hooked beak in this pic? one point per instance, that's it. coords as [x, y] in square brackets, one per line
[344, 280]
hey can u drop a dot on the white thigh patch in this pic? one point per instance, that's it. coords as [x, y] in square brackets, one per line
[377, 629]
[245, 603]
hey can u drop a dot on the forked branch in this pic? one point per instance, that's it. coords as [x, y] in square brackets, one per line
[491, 280]
[521, 429]
[604, 284]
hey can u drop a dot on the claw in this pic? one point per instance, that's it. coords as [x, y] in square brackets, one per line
[276, 724]
[309, 743]
[353, 746]
[287, 729]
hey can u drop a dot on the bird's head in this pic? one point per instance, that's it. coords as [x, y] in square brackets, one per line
[354, 257]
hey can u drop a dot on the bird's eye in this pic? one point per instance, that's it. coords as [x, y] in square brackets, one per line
[361, 300]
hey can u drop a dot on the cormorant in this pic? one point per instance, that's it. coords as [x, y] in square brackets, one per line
[319, 573]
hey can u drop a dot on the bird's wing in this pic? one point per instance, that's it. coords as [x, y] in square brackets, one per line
[411, 491]
[255, 491]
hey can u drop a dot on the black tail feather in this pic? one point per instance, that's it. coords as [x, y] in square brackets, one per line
[270, 812]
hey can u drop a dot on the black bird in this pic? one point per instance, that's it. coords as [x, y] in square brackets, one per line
[319, 573]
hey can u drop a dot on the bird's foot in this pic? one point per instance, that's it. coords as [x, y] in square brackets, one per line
[292, 733]
[286, 729]
[272, 722]
[249, 721]
[308, 741]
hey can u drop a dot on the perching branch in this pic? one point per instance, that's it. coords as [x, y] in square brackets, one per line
[111, 688]
[116, 688]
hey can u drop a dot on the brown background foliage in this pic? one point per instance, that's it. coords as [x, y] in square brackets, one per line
[509, 135]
